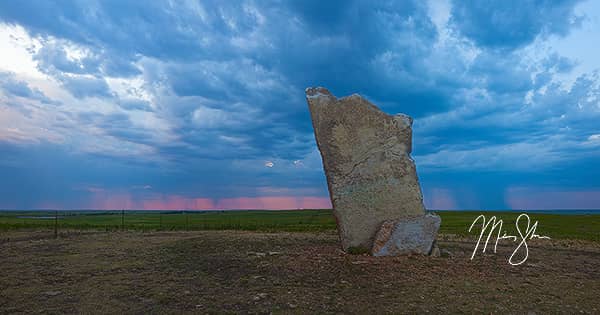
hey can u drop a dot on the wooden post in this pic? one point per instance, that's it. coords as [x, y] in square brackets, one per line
[160, 221]
[56, 224]
[187, 221]
[123, 220]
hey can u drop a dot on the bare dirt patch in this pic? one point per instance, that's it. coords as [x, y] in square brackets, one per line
[246, 272]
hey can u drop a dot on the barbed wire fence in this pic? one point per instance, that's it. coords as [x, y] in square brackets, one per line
[59, 222]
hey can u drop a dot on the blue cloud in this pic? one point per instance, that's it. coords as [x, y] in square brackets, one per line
[82, 87]
[14, 87]
[135, 104]
[510, 24]
[202, 94]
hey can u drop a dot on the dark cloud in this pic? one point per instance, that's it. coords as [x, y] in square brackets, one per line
[135, 104]
[14, 87]
[52, 58]
[510, 24]
[222, 90]
[83, 86]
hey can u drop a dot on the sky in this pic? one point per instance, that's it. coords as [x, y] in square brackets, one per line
[200, 104]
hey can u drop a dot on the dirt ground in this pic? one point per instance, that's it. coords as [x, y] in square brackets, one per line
[246, 272]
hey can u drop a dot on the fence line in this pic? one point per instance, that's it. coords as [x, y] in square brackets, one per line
[307, 220]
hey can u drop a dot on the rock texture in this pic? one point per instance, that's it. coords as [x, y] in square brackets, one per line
[366, 157]
[413, 236]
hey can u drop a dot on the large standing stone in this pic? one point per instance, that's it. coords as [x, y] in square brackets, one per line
[366, 156]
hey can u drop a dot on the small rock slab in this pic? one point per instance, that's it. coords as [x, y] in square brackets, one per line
[412, 236]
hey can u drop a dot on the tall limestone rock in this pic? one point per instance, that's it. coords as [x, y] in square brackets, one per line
[366, 156]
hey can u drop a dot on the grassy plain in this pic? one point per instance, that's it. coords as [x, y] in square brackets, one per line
[584, 227]
[283, 262]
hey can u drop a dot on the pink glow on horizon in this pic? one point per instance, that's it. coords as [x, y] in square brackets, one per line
[116, 200]
[440, 199]
[274, 203]
[102, 199]
[177, 203]
[520, 198]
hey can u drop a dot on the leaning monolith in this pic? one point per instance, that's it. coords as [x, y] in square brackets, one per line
[370, 175]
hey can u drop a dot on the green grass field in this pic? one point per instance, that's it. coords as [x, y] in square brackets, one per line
[585, 227]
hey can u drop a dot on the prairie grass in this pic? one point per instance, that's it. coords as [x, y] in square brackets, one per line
[557, 226]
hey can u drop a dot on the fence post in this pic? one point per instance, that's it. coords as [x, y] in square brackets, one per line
[160, 221]
[123, 220]
[56, 224]
[187, 221]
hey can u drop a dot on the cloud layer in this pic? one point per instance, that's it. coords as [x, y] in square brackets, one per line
[202, 101]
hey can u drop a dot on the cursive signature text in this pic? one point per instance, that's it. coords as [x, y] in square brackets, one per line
[495, 225]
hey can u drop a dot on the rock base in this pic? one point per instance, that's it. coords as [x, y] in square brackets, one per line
[406, 236]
